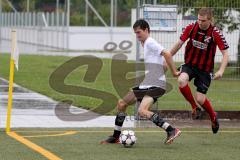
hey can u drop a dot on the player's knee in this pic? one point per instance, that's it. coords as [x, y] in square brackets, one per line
[200, 99]
[141, 112]
[121, 105]
[182, 82]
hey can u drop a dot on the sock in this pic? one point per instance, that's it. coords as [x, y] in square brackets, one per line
[161, 123]
[118, 124]
[209, 109]
[186, 92]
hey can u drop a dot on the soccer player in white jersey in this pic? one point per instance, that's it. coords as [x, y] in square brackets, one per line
[151, 88]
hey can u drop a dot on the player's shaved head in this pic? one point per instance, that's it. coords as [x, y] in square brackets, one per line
[206, 12]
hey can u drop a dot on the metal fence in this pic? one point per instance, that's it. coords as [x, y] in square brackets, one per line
[171, 16]
[44, 31]
[168, 21]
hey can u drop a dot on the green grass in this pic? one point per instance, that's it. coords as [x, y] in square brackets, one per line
[12, 149]
[85, 145]
[34, 72]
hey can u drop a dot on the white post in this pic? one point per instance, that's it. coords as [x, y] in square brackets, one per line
[1, 22]
[116, 12]
[1, 7]
[86, 14]
[57, 12]
[111, 22]
[27, 5]
[111, 18]
[68, 23]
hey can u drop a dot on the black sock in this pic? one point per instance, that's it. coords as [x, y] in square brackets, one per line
[119, 123]
[116, 133]
[160, 122]
[157, 120]
[169, 128]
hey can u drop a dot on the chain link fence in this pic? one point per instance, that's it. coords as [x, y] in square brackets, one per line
[167, 20]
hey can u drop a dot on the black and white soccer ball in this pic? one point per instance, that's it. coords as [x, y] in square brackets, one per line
[127, 138]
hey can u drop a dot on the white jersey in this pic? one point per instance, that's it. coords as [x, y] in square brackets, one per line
[153, 60]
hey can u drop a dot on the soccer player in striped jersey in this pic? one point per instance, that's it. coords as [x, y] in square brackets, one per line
[203, 37]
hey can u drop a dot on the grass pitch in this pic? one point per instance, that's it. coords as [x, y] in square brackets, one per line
[198, 144]
[34, 72]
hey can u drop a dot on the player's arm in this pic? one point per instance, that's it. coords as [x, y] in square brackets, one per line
[184, 36]
[220, 40]
[165, 66]
[223, 65]
[176, 47]
[168, 57]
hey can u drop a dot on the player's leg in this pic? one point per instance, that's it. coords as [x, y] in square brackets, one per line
[184, 88]
[121, 108]
[144, 106]
[144, 111]
[120, 117]
[206, 104]
[202, 82]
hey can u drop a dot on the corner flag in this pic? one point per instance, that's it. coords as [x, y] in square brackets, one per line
[14, 51]
[15, 55]
[13, 60]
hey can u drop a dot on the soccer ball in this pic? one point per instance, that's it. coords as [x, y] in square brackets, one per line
[127, 138]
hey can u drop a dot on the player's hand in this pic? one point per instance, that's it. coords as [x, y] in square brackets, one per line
[217, 75]
[176, 74]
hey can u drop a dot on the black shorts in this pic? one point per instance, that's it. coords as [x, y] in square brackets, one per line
[154, 92]
[202, 80]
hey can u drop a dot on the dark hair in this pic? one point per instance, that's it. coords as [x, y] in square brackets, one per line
[142, 24]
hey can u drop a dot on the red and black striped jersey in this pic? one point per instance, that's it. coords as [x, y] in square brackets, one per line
[201, 48]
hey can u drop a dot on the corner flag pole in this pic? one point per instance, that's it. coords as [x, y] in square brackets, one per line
[11, 76]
